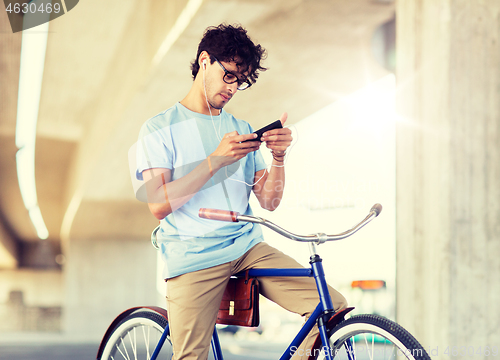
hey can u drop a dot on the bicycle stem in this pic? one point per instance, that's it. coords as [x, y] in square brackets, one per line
[312, 249]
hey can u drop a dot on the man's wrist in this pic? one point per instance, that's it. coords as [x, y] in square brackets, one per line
[214, 164]
[210, 169]
[278, 156]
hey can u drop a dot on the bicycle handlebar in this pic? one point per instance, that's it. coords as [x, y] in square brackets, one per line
[319, 238]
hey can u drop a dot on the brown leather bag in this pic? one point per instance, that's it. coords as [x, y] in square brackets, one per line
[240, 302]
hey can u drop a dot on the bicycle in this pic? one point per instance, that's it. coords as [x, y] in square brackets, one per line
[143, 331]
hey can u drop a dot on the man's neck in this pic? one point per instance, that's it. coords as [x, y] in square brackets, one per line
[195, 101]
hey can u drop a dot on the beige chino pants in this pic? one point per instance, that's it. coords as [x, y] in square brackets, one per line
[193, 299]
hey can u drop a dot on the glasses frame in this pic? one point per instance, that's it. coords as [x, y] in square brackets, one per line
[240, 82]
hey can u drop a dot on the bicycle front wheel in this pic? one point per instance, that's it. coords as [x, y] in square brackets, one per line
[372, 337]
[136, 338]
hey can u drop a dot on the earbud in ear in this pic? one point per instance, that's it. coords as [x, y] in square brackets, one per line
[204, 64]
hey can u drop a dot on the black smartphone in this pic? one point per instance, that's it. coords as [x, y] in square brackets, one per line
[274, 125]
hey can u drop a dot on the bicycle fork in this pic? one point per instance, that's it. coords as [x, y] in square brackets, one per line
[160, 343]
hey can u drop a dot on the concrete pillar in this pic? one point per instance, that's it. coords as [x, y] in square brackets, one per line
[104, 277]
[448, 174]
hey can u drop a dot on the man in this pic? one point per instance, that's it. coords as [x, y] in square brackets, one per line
[196, 155]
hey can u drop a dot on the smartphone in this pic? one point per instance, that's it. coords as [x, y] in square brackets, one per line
[274, 125]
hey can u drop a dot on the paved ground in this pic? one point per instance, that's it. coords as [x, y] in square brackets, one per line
[246, 344]
[233, 350]
[48, 351]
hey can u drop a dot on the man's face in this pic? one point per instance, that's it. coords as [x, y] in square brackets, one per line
[218, 91]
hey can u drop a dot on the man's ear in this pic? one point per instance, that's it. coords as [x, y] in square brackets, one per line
[203, 59]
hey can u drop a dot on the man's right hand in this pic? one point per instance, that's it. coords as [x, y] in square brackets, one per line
[233, 148]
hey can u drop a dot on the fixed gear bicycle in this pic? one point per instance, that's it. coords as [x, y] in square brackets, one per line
[143, 332]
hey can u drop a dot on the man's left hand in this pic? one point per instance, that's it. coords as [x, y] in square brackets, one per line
[278, 140]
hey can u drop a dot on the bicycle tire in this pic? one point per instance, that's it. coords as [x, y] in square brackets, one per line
[136, 337]
[373, 337]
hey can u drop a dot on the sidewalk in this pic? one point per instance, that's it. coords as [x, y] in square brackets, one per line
[58, 347]
[39, 338]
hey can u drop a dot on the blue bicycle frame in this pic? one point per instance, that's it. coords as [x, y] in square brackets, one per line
[320, 315]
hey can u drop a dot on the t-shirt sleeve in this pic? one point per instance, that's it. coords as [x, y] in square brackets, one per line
[154, 148]
[259, 161]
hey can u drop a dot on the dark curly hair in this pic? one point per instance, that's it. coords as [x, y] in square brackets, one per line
[231, 43]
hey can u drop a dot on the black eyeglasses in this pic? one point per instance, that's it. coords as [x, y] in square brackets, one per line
[230, 78]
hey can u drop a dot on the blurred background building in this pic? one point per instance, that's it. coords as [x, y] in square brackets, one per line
[74, 241]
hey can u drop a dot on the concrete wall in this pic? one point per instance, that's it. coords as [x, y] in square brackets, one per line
[100, 279]
[30, 300]
[39, 288]
[448, 173]
[104, 277]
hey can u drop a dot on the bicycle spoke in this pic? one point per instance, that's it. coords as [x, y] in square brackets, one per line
[390, 353]
[124, 347]
[146, 342]
[366, 342]
[381, 338]
[149, 338]
[373, 345]
[134, 348]
[137, 347]
[349, 348]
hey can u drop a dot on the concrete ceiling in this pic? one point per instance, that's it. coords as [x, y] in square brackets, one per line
[100, 84]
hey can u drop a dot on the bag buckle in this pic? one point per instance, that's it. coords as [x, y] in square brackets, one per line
[231, 308]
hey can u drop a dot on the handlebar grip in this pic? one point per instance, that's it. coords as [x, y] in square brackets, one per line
[377, 209]
[221, 215]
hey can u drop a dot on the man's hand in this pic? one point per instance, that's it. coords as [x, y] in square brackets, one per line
[278, 140]
[233, 148]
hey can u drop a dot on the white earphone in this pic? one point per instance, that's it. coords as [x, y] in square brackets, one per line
[204, 64]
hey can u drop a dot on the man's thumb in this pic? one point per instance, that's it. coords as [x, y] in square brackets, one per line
[283, 118]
